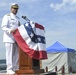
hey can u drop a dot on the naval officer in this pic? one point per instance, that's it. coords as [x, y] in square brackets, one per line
[10, 23]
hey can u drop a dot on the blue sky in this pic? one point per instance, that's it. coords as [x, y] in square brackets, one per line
[57, 16]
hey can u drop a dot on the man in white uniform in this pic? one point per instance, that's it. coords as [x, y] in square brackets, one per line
[10, 23]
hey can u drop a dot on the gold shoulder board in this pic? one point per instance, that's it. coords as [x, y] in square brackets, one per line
[8, 14]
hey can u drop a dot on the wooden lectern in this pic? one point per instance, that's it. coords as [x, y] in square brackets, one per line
[28, 65]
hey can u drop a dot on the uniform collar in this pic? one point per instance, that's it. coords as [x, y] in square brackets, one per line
[13, 14]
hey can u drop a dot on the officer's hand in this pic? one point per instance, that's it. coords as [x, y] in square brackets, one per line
[13, 30]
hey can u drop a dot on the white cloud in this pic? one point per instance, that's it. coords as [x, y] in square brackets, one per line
[69, 1]
[65, 5]
[56, 6]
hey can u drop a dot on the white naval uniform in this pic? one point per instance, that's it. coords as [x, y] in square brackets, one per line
[9, 22]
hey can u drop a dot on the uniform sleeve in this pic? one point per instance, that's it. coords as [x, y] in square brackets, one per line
[4, 26]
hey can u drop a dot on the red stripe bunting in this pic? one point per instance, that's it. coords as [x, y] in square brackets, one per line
[23, 45]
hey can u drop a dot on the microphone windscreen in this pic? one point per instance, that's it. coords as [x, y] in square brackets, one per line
[23, 16]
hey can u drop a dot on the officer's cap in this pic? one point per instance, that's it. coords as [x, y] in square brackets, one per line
[14, 5]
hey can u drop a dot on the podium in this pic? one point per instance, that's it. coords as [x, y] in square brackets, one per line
[28, 65]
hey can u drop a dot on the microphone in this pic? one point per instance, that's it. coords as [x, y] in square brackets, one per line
[24, 17]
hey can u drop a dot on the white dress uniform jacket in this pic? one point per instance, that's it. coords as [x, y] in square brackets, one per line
[9, 22]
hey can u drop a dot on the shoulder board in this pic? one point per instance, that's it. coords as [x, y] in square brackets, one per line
[8, 14]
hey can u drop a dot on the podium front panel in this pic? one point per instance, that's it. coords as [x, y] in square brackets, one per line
[25, 62]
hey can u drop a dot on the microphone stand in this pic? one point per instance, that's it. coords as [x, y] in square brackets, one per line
[25, 18]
